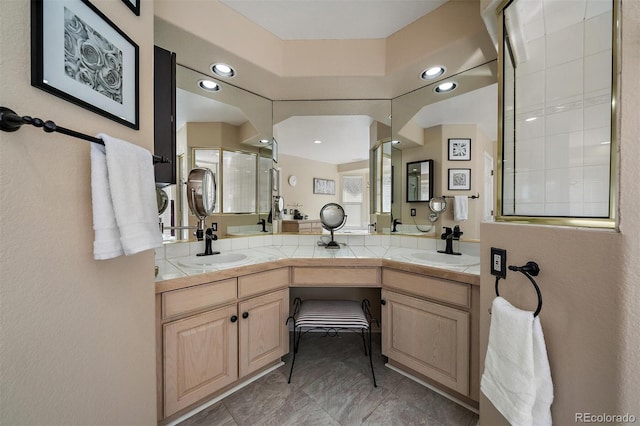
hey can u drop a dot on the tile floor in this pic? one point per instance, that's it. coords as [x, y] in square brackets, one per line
[332, 385]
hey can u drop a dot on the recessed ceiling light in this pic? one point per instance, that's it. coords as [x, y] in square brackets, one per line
[317, 141]
[445, 87]
[395, 142]
[433, 72]
[209, 85]
[264, 141]
[223, 70]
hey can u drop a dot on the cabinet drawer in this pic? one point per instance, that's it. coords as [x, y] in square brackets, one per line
[431, 288]
[329, 277]
[199, 297]
[262, 282]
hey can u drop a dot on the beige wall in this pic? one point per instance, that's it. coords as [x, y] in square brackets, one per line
[436, 148]
[590, 281]
[77, 335]
[305, 170]
[293, 66]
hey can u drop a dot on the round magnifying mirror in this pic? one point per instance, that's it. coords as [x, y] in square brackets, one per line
[438, 204]
[163, 200]
[201, 191]
[332, 217]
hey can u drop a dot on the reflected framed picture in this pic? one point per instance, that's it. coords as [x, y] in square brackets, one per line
[460, 179]
[459, 149]
[134, 5]
[79, 55]
[324, 186]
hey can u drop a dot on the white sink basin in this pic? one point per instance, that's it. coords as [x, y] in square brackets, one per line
[214, 261]
[441, 259]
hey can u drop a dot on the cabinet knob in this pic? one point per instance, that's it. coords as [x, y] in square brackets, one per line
[245, 315]
[383, 302]
[234, 318]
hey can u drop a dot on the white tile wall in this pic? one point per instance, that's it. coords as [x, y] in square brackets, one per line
[561, 161]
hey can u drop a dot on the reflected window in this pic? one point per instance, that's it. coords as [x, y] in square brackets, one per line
[238, 182]
[353, 200]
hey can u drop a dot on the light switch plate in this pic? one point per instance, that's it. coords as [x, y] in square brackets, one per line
[498, 262]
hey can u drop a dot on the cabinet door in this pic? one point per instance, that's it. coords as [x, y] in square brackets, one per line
[264, 336]
[429, 338]
[200, 357]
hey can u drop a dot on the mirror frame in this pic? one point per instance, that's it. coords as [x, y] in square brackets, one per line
[612, 221]
[431, 183]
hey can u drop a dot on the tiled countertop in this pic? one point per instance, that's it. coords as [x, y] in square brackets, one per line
[175, 260]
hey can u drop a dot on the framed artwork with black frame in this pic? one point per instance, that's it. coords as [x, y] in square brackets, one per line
[459, 149]
[460, 179]
[79, 55]
[134, 5]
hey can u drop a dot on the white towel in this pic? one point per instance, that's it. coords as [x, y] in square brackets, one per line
[106, 243]
[517, 378]
[460, 207]
[131, 185]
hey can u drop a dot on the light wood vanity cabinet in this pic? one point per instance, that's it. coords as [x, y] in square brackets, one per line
[211, 337]
[200, 357]
[264, 336]
[429, 338]
[426, 326]
[313, 226]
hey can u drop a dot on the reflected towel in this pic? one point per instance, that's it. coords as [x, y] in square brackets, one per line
[517, 377]
[460, 207]
[131, 186]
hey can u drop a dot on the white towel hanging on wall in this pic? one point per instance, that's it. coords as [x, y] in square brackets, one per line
[130, 186]
[517, 377]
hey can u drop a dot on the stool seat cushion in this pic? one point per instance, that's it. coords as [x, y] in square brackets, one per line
[331, 314]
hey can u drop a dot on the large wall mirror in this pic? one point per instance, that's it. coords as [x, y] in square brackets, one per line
[557, 108]
[324, 157]
[228, 130]
[424, 121]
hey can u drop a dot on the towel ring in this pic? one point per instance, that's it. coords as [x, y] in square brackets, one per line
[531, 268]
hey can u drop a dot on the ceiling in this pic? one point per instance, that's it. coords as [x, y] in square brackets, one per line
[330, 20]
[338, 19]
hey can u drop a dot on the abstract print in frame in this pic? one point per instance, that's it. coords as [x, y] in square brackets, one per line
[78, 54]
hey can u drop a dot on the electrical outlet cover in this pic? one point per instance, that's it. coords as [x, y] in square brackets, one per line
[498, 262]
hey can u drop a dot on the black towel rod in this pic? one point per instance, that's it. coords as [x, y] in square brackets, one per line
[10, 122]
[529, 270]
[473, 197]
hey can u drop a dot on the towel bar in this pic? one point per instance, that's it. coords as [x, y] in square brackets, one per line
[10, 122]
[529, 270]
